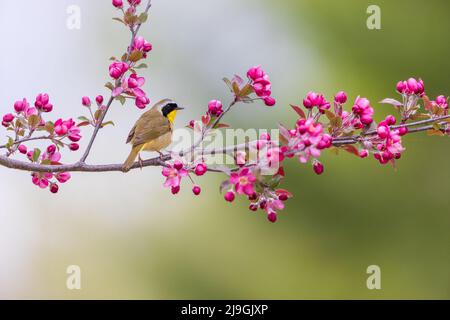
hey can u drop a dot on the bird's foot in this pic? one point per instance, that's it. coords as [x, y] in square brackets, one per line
[141, 162]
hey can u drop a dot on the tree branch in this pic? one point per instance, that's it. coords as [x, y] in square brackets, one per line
[160, 161]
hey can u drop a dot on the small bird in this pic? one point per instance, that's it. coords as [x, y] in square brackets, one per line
[153, 131]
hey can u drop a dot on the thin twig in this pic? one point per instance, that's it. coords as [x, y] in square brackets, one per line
[134, 33]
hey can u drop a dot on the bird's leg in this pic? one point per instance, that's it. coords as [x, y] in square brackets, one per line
[141, 162]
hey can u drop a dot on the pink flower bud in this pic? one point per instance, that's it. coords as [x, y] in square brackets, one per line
[74, 146]
[51, 149]
[230, 196]
[117, 3]
[201, 169]
[178, 165]
[117, 69]
[269, 101]
[63, 177]
[7, 118]
[383, 132]
[22, 149]
[318, 168]
[253, 207]
[403, 131]
[401, 87]
[255, 73]
[85, 101]
[341, 97]
[142, 102]
[272, 217]
[283, 197]
[215, 107]
[21, 106]
[175, 190]
[54, 188]
[390, 120]
[196, 190]
[99, 100]
[363, 153]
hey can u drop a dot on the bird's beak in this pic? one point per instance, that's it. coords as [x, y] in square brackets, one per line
[178, 109]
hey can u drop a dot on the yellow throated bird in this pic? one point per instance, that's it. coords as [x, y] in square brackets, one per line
[153, 131]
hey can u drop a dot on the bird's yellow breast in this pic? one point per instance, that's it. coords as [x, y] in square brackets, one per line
[171, 116]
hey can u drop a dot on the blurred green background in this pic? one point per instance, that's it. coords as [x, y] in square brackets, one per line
[132, 239]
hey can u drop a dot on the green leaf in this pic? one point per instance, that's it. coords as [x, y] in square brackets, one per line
[143, 17]
[83, 118]
[108, 123]
[121, 99]
[36, 154]
[228, 83]
[33, 121]
[136, 55]
[246, 90]
[110, 86]
[10, 143]
[141, 66]
[50, 127]
[118, 19]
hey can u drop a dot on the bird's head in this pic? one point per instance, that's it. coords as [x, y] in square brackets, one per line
[169, 110]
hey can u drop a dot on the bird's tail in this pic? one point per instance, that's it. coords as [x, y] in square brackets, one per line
[131, 158]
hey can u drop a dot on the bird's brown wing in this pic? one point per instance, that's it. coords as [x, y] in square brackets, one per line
[150, 127]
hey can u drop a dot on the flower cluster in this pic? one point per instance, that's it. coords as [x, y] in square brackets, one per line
[249, 182]
[175, 172]
[314, 99]
[388, 142]
[308, 139]
[411, 87]
[130, 87]
[261, 84]
[25, 121]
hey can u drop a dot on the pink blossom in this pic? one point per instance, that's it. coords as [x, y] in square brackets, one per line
[442, 102]
[255, 73]
[341, 97]
[41, 179]
[243, 181]
[141, 44]
[21, 106]
[42, 103]
[411, 86]
[201, 169]
[63, 177]
[117, 3]
[215, 107]
[388, 142]
[314, 99]
[362, 113]
[85, 101]
[262, 87]
[308, 139]
[7, 118]
[117, 69]
[69, 128]
[173, 176]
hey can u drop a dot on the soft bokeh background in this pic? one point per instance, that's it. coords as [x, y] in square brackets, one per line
[132, 239]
